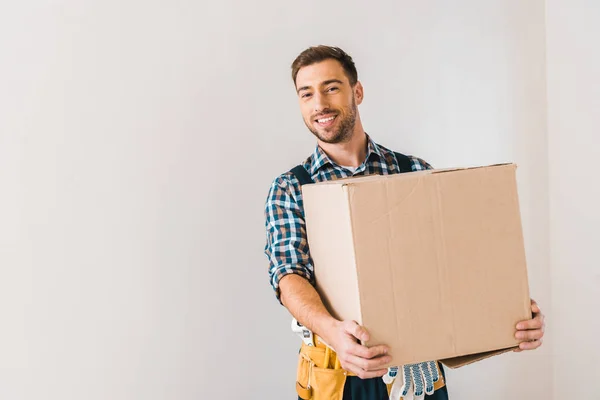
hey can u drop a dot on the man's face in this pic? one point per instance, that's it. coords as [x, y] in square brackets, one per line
[327, 101]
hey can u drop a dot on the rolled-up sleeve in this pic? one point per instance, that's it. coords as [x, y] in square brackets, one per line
[286, 244]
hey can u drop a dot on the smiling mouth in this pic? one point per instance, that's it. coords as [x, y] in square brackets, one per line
[322, 120]
[326, 121]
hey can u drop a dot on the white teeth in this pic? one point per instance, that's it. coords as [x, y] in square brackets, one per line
[325, 120]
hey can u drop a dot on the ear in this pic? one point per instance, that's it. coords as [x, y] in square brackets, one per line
[359, 92]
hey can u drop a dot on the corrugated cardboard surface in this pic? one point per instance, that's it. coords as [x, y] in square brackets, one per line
[432, 263]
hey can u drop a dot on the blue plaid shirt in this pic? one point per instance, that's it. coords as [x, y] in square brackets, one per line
[287, 246]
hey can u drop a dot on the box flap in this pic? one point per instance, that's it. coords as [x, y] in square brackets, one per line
[444, 170]
[457, 362]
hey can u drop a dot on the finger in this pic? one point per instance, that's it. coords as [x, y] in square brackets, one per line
[530, 345]
[533, 301]
[432, 367]
[354, 329]
[367, 352]
[376, 364]
[408, 383]
[535, 308]
[530, 335]
[427, 377]
[369, 365]
[535, 323]
[361, 373]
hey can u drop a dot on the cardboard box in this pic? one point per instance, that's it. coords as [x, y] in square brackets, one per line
[432, 263]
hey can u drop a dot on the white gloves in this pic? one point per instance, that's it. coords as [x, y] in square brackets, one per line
[413, 382]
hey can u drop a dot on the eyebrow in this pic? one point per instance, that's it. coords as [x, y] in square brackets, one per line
[324, 83]
[331, 81]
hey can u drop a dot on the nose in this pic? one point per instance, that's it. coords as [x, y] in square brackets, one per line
[320, 102]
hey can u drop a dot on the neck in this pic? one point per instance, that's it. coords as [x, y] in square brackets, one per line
[350, 153]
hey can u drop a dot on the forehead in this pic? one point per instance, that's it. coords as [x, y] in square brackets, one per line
[315, 74]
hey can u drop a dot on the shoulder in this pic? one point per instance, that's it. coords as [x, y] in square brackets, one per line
[286, 185]
[418, 164]
[283, 181]
[284, 189]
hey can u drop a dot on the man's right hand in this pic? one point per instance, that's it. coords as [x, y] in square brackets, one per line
[304, 303]
[366, 362]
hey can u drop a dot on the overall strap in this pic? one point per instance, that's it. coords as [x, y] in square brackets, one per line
[404, 162]
[302, 175]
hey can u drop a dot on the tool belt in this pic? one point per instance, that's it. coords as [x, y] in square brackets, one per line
[320, 376]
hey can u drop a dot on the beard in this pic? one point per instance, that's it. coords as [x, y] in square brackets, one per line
[345, 122]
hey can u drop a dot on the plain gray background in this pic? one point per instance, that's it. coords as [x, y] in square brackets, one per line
[138, 141]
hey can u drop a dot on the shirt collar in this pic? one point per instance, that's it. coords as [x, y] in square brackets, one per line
[321, 159]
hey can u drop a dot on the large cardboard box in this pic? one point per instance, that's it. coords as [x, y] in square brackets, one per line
[432, 263]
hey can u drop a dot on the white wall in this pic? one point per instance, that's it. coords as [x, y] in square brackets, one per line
[573, 32]
[137, 144]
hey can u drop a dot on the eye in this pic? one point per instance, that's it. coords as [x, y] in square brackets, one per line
[305, 95]
[333, 89]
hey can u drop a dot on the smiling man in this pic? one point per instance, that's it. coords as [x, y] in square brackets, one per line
[332, 362]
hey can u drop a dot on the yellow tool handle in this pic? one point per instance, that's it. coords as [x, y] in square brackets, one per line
[327, 355]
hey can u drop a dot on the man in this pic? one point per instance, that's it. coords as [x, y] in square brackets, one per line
[329, 93]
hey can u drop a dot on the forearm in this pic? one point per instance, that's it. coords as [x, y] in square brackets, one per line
[305, 304]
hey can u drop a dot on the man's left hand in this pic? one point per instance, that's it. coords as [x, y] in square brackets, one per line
[530, 333]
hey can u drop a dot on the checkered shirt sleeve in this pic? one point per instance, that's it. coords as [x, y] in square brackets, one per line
[287, 246]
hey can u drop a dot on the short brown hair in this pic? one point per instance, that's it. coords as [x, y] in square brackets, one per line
[316, 54]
